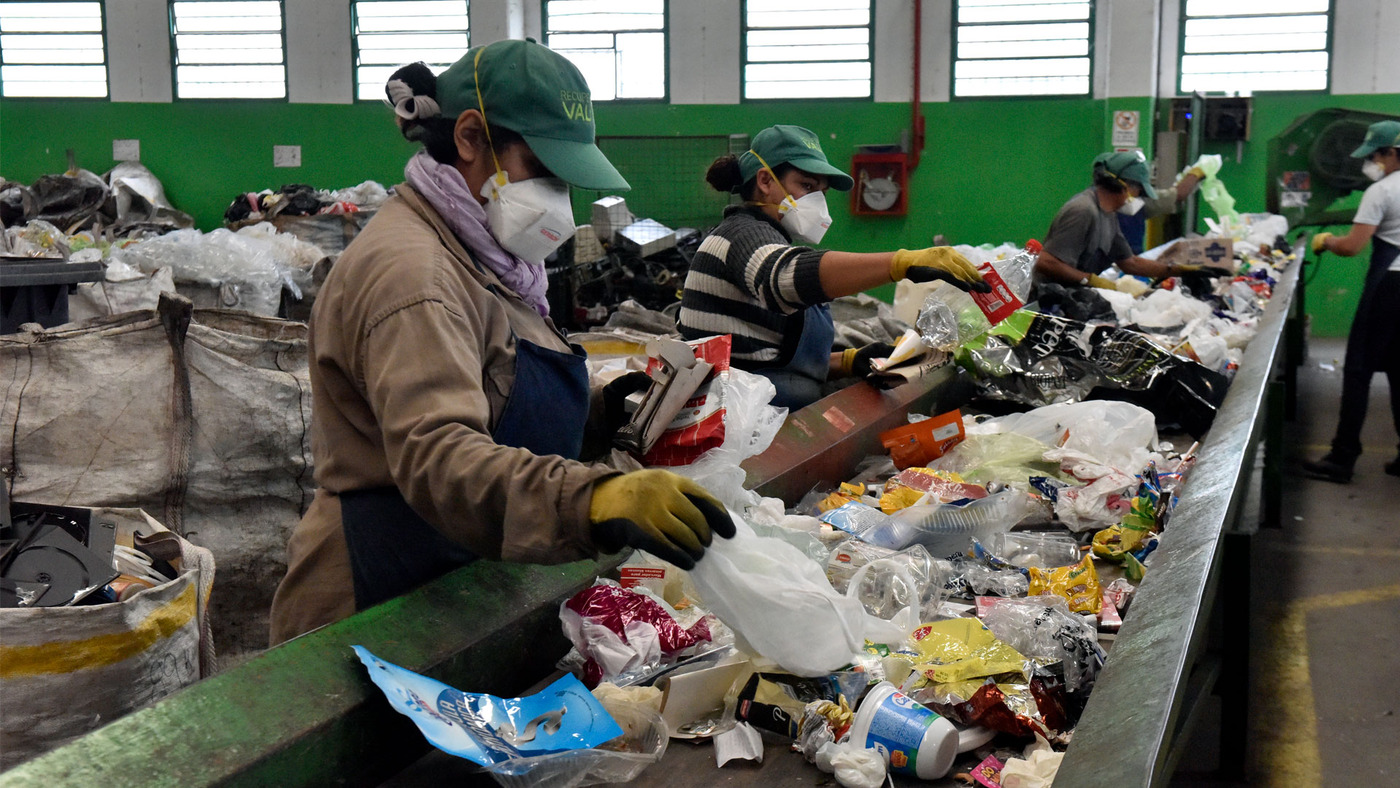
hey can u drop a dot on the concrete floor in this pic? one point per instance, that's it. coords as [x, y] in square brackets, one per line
[1326, 611]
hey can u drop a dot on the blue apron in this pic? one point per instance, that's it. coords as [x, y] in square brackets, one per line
[393, 550]
[799, 383]
[1373, 327]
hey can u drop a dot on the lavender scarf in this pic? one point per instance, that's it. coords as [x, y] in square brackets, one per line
[445, 189]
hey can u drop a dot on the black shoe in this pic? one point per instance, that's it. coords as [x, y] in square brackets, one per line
[1393, 467]
[1330, 470]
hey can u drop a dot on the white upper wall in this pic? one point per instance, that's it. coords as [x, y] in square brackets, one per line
[704, 48]
[1135, 48]
[138, 51]
[1366, 47]
[1125, 47]
[320, 69]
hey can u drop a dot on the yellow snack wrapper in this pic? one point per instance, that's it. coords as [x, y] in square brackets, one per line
[962, 649]
[901, 497]
[1116, 543]
[844, 494]
[1077, 583]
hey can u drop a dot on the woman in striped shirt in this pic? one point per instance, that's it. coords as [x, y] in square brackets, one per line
[758, 277]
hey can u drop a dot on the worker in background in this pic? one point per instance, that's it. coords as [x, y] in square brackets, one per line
[760, 277]
[1134, 226]
[1374, 342]
[448, 410]
[1084, 238]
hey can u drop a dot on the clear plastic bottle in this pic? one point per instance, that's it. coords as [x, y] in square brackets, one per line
[1016, 271]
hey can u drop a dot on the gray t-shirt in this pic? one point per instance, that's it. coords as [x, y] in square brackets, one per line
[1085, 236]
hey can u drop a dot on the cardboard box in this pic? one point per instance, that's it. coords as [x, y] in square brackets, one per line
[610, 215]
[1216, 252]
[648, 237]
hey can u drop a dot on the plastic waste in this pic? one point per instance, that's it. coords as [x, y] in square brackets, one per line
[487, 729]
[1036, 769]
[910, 737]
[904, 588]
[852, 765]
[945, 528]
[781, 606]
[1043, 627]
[1037, 548]
[624, 631]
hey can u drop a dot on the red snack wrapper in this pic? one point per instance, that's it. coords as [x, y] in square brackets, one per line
[615, 607]
[699, 426]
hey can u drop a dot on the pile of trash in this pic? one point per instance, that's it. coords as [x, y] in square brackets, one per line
[298, 199]
[127, 202]
[248, 270]
[1172, 348]
[950, 606]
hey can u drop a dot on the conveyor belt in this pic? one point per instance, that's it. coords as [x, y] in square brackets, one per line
[305, 713]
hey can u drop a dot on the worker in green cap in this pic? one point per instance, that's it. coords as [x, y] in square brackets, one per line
[761, 277]
[1373, 344]
[1084, 239]
[448, 410]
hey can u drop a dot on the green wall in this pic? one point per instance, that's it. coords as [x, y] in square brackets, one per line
[1335, 286]
[992, 170]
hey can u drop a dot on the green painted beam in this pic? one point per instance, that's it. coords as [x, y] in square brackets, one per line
[306, 713]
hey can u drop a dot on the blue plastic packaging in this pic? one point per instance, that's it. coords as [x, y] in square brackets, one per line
[487, 729]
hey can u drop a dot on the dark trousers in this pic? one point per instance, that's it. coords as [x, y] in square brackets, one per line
[1372, 346]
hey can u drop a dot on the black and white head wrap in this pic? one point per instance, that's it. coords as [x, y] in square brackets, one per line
[409, 106]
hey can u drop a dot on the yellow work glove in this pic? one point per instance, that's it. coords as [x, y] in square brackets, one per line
[855, 362]
[665, 514]
[1319, 242]
[1101, 283]
[937, 262]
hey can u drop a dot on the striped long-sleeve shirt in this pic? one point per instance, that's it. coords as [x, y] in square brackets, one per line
[748, 280]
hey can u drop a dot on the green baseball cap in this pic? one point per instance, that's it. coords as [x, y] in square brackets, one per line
[1128, 166]
[1382, 134]
[537, 93]
[796, 146]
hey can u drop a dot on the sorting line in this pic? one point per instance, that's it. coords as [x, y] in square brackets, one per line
[1286, 739]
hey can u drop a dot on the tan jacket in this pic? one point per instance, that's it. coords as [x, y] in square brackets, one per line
[412, 361]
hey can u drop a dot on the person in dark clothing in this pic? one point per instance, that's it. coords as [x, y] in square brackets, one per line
[1374, 342]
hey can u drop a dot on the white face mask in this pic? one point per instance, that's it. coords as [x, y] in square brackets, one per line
[531, 218]
[806, 218]
[1132, 206]
[1373, 170]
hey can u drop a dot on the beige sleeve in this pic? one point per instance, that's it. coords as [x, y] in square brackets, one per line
[422, 372]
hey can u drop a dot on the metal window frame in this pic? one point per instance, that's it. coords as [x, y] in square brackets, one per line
[355, 47]
[665, 31]
[744, 57]
[1330, 13]
[953, 63]
[106, 62]
[286, 97]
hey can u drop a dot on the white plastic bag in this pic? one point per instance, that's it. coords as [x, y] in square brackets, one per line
[781, 606]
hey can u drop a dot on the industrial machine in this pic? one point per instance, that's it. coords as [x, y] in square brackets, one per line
[1310, 165]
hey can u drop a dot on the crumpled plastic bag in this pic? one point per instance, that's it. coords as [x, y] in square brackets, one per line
[1042, 627]
[1036, 769]
[256, 262]
[853, 766]
[750, 424]
[781, 606]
